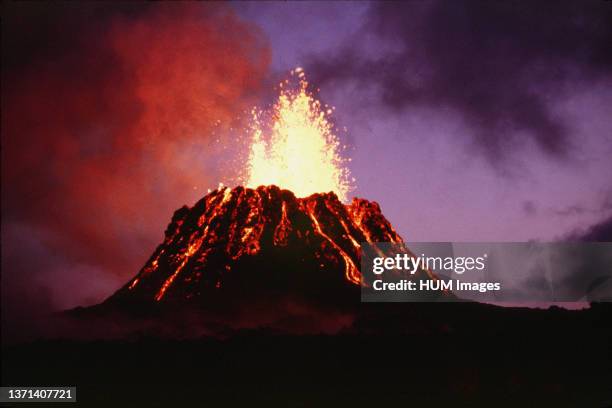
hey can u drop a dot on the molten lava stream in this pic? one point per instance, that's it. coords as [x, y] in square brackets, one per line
[351, 273]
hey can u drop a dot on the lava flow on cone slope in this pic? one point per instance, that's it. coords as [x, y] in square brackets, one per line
[252, 242]
[260, 243]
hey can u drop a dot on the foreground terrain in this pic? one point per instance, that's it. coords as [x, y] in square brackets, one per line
[391, 355]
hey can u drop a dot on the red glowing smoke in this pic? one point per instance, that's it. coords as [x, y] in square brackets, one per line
[106, 119]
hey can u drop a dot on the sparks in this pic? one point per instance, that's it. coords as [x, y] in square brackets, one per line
[301, 152]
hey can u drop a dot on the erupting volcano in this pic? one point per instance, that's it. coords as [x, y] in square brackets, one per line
[233, 240]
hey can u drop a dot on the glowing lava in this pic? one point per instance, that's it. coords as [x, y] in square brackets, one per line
[299, 151]
[291, 225]
[265, 231]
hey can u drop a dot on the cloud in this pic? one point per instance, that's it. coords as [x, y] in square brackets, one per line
[586, 268]
[601, 208]
[107, 113]
[498, 64]
[599, 232]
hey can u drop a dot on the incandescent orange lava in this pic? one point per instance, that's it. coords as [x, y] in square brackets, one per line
[299, 151]
[228, 225]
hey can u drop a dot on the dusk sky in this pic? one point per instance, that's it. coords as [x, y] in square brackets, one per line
[471, 121]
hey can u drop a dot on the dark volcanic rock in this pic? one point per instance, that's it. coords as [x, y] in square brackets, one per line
[248, 244]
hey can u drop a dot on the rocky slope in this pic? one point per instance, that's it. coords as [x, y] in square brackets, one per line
[242, 241]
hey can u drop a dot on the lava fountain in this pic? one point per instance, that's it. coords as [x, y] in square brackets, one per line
[289, 229]
[299, 151]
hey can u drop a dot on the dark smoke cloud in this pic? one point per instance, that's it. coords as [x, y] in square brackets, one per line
[587, 269]
[599, 232]
[103, 105]
[496, 63]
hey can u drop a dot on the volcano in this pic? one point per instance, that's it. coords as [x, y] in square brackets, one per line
[246, 241]
[253, 287]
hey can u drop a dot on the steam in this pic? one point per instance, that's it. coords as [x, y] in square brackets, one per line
[106, 137]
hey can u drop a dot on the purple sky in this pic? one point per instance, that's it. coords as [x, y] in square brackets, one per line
[421, 161]
[467, 121]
